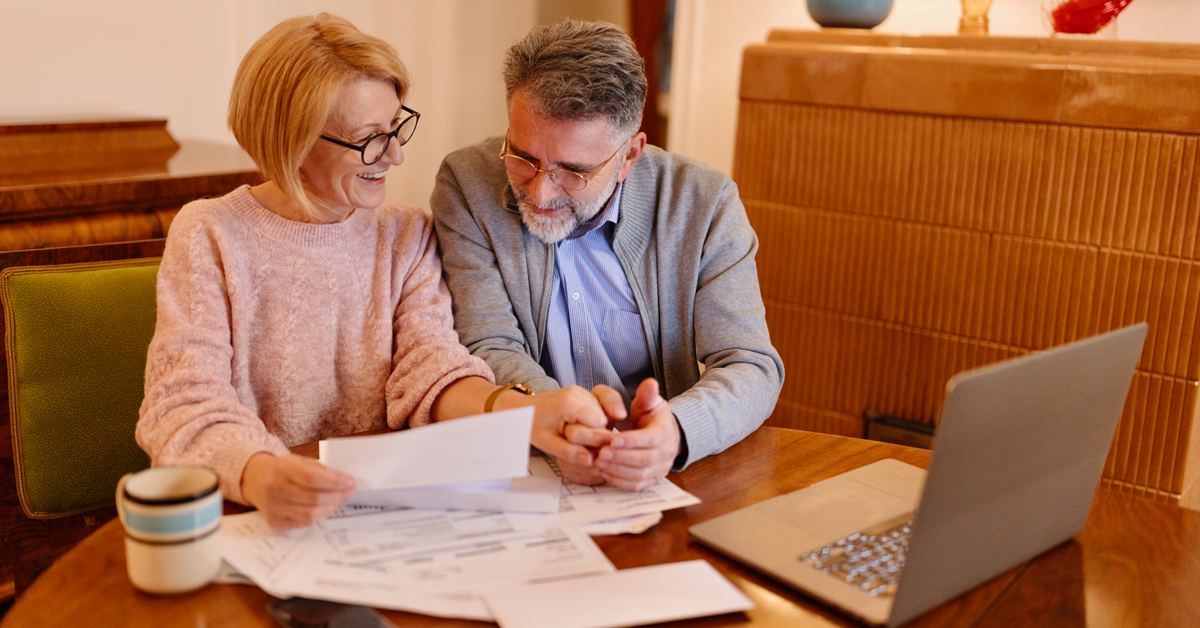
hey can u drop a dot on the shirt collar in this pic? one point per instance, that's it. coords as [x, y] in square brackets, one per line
[610, 213]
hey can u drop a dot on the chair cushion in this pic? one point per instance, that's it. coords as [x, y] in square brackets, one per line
[76, 337]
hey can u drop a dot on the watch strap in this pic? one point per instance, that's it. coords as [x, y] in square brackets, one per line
[491, 399]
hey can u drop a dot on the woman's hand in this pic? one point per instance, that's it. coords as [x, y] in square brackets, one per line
[586, 415]
[293, 491]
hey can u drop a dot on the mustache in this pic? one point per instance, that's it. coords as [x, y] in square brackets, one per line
[557, 203]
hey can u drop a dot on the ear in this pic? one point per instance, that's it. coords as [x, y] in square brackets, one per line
[636, 146]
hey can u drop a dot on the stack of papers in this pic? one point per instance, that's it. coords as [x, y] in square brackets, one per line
[444, 514]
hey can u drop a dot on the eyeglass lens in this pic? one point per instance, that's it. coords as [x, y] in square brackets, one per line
[379, 144]
[565, 179]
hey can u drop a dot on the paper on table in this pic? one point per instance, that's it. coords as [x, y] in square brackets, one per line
[443, 583]
[375, 536]
[301, 563]
[527, 494]
[227, 574]
[373, 533]
[630, 597]
[256, 550]
[484, 447]
[581, 504]
[636, 524]
[524, 557]
[315, 571]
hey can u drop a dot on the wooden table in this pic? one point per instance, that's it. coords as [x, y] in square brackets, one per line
[1137, 563]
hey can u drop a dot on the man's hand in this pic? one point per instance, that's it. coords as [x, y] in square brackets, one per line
[571, 423]
[637, 459]
[293, 491]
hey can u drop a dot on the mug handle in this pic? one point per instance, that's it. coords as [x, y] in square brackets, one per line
[121, 498]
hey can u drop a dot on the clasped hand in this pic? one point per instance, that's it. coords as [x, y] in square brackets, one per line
[575, 426]
[572, 424]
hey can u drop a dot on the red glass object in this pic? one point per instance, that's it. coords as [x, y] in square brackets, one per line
[1086, 16]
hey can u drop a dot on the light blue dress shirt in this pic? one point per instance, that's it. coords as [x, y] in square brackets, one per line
[594, 334]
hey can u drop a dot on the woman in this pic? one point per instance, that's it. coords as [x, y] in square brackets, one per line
[305, 308]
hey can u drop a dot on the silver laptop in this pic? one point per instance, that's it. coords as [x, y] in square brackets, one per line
[1018, 455]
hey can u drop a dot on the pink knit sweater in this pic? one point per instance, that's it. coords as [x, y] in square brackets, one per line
[273, 333]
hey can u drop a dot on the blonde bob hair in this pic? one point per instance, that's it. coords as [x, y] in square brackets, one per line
[288, 84]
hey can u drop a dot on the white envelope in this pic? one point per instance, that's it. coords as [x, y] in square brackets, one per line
[490, 446]
[630, 597]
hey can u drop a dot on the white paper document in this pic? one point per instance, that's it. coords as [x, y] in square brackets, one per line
[581, 504]
[256, 550]
[443, 583]
[376, 551]
[524, 557]
[492, 446]
[527, 494]
[636, 524]
[375, 536]
[372, 533]
[630, 597]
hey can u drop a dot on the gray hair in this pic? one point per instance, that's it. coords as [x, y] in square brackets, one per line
[577, 70]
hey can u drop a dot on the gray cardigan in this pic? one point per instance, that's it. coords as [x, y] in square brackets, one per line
[687, 249]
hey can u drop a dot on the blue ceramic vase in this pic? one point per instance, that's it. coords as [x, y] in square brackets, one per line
[849, 13]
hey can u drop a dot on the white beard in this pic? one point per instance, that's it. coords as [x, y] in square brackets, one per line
[554, 229]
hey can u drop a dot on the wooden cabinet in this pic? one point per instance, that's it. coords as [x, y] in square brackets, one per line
[88, 190]
[102, 181]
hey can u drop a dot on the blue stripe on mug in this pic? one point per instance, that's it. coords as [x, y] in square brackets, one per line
[169, 524]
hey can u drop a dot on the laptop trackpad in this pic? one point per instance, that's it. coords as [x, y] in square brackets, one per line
[835, 508]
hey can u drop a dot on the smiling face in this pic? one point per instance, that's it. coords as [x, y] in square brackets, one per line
[548, 211]
[335, 175]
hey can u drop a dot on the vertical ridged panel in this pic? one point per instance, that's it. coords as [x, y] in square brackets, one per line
[1151, 439]
[822, 259]
[918, 364]
[1038, 293]
[800, 417]
[873, 227]
[833, 361]
[937, 279]
[1164, 292]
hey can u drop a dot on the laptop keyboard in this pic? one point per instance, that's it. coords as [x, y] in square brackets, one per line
[870, 559]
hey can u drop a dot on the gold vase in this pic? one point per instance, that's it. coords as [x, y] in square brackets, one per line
[974, 19]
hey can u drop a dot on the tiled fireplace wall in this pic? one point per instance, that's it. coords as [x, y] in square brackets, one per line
[924, 207]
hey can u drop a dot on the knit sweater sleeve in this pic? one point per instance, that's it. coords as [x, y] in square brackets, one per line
[428, 356]
[191, 413]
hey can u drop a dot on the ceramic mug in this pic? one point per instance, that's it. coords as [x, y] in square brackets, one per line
[172, 520]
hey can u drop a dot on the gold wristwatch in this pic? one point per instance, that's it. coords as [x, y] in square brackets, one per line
[521, 388]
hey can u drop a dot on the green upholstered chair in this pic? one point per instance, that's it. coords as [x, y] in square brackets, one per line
[76, 337]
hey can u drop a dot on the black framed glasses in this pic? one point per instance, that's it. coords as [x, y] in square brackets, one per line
[566, 179]
[374, 147]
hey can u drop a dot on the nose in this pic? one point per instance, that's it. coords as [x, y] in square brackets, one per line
[394, 155]
[543, 189]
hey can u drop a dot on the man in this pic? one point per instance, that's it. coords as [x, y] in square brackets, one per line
[597, 271]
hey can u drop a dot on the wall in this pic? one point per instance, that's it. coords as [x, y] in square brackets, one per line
[177, 58]
[615, 11]
[69, 57]
[710, 36]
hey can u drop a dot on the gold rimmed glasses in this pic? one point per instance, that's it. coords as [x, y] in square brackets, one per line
[569, 180]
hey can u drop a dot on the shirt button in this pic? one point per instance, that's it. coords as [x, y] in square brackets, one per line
[580, 349]
[575, 296]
